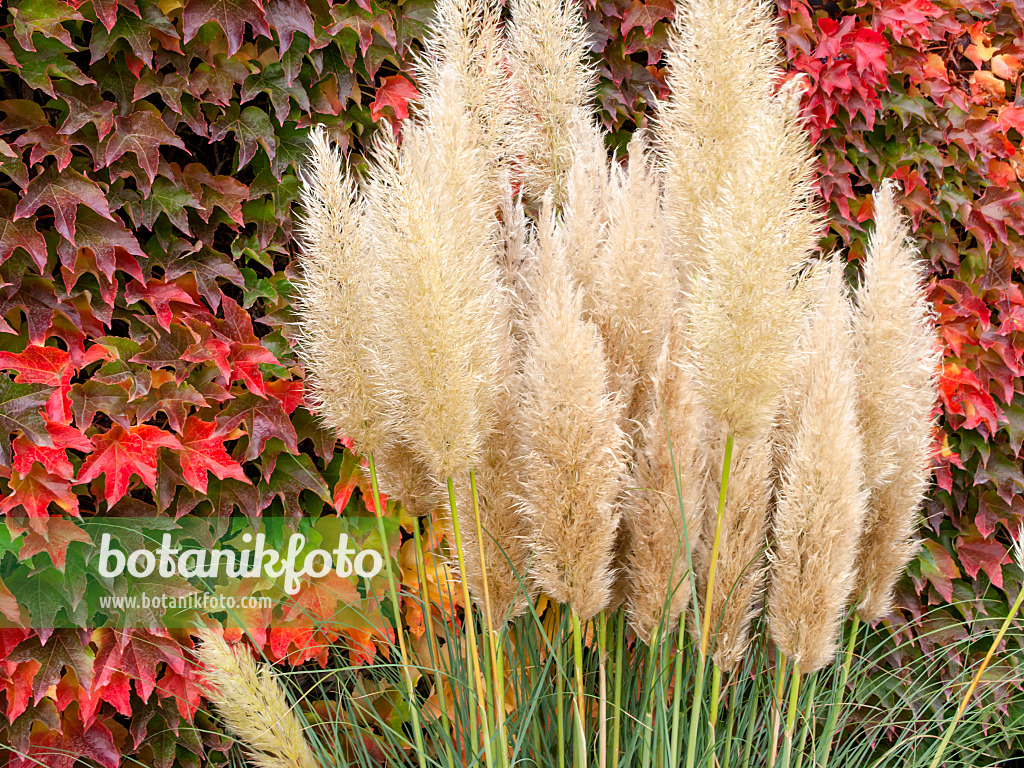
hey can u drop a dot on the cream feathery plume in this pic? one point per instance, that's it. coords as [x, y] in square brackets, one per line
[334, 304]
[722, 62]
[819, 513]
[435, 234]
[744, 299]
[740, 576]
[514, 261]
[898, 354]
[505, 529]
[635, 287]
[553, 85]
[253, 705]
[670, 467]
[573, 446]
[585, 210]
[465, 44]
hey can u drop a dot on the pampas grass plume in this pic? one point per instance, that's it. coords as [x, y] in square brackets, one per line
[573, 446]
[669, 468]
[435, 234]
[333, 303]
[253, 705]
[743, 296]
[898, 354]
[820, 510]
[741, 570]
[553, 84]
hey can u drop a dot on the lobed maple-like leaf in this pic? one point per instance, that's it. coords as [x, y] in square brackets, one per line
[121, 453]
[19, 411]
[202, 450]
[231, 15]
[63, 192]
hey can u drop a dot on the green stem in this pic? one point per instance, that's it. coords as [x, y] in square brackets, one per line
[780, 685]
[695, 710]
[716, 689]
[602, 709]
[794, 698]
[751, 723]
[421, 568]
[726, 464]
[560, 694]
[677, 690]
[977, 677]
[580, 754]
[833, 713]
[417, 732]
[648, 699]
[495, 683]
[730, 725]
[474, 658]
[620, 631]
[812, 684]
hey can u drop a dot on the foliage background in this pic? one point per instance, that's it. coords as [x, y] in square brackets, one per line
[149, 156]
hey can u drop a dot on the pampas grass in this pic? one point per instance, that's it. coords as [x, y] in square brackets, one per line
[897, 352]
[253, 705]
[631, 389]
[345, 381]
[573, 447]
[553, 83]
[820, 509]
[665, 512]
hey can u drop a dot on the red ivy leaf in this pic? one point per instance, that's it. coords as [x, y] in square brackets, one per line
[121, 453]
[646, 15]
[395, 92]
[34, 492]
[202, 450]
[231, 15]
[159, 296]
[263, 419]
[64, 748]
[19, 233]
[142, 133]
[287, 17]
[52, 537]
[45, 365]
[63, 191]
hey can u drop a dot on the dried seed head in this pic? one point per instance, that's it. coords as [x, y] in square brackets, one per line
[669, 470]
[740, 574]
[435, 232]
[553, 84]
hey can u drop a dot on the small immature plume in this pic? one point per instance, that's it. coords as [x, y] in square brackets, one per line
[740, 575]
[553, 85]
[253, 705]
[669, 468]
[722, 62]
[820, 510]
[334, 304]
[585, 209]
[898, 355]
[573, 447]
[743, 298]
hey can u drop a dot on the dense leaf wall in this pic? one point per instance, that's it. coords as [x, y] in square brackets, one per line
[149, 156]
